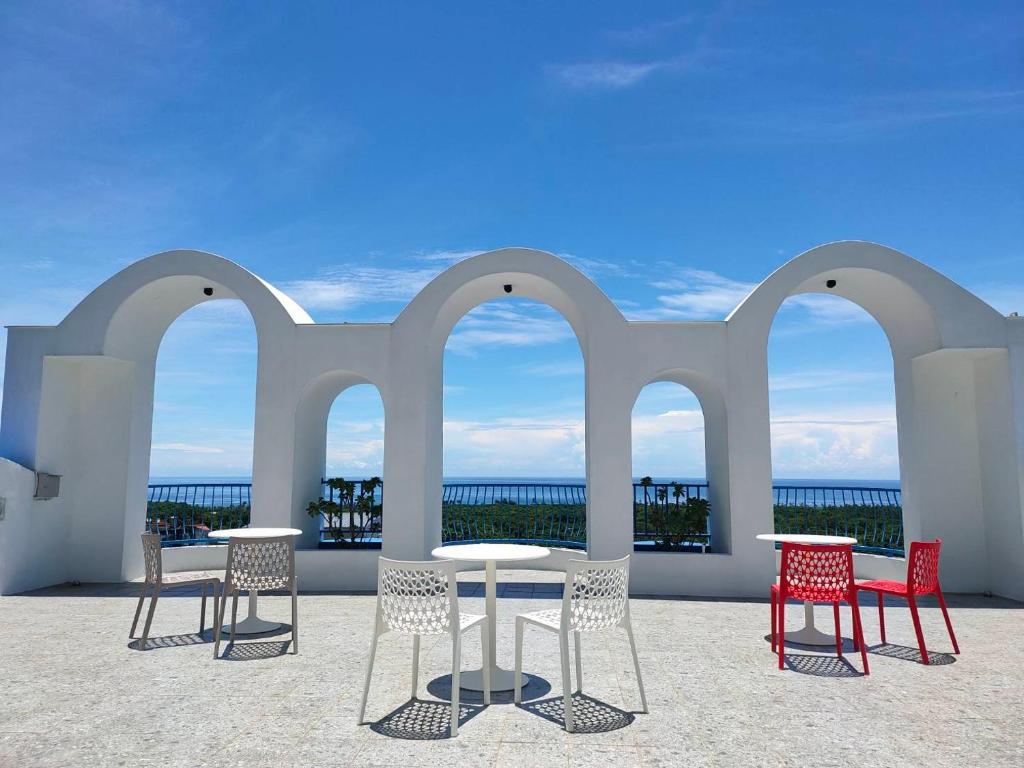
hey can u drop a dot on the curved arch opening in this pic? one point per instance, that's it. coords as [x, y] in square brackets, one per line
[513, 442]
[201, 425]
[671, 509]
[835, 436]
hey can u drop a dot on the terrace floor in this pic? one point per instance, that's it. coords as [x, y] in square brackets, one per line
[75, 692]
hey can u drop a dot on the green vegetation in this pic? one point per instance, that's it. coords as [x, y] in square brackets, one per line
[879, 527]
[351, 516]
[178, 520]
[509, 520]
[670, 517]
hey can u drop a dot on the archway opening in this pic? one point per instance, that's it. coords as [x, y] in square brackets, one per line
[204, 402]
[671, 509]
[352, 482]
[514, 455]
[834, 431]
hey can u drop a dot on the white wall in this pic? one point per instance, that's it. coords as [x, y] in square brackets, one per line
[78, 402]
[33, 534]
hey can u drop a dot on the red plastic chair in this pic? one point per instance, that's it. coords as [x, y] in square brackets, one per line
[821, 574]
[922, 579]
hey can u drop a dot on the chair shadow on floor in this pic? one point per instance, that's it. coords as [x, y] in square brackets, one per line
[590, 715]
[173, 641]
[823, 663]
[422, 720]
[908, 653]
[252, 650]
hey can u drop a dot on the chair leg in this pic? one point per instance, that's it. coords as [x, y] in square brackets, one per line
[945, 615]
[218, 626]
[579, 664]
[456, 679]
[775, 619]
[917, 627]
[839, 631]
[415, 664]
[369, 674]
[295, 619]
[486, 653]
[782, 632]
[563, 647]
[149, 616]
[858, 631]
[881, 615]
[636, 667]
[517, 691]
[202, 610]
[138, 612]
[234, 617]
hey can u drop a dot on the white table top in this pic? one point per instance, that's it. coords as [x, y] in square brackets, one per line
[252, 533]
[495, 552]
[803, 538]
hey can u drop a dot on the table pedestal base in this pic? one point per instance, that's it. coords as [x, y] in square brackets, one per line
[809, 634]
[501, 680]
[251, 624]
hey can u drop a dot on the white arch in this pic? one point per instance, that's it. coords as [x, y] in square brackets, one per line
[716, 445]
[413, 454]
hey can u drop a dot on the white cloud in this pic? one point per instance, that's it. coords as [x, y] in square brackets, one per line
[186, 448]
[860, 444]
[553, 369]
[520, 446]
[699, 294]
[825, 379]
[491, 325]
[604, 74]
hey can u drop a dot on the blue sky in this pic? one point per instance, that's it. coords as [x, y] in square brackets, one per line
[677, 154]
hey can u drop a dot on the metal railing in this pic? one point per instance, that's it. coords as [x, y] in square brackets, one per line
[873, 516]
[671, 517]
[553, 514]
[666, 516]
[183, 514]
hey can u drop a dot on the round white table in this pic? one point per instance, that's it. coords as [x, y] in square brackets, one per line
[252, 624]
[809, 634]
[490, 555]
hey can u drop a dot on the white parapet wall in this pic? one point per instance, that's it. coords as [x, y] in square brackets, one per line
[78, 402]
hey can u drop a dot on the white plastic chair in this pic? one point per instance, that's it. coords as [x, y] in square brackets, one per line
[595, 597]
[157, 580]
[421, 598]
[260, 564]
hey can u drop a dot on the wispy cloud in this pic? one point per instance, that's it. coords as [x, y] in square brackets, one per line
[513, 326]
[697, 294]
[1004, 298]
[553, 369]
[613, 75]
[646, 33]
[825, 379]
[867, 118]
[186, 448]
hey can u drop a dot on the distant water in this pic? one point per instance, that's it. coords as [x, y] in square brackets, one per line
[804, 482]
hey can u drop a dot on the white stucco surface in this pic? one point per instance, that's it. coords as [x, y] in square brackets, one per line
[78, 401]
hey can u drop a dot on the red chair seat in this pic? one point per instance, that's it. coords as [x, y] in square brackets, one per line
[884, 585]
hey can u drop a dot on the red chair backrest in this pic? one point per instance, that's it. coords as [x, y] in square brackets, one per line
[816, 571]
[923, 567]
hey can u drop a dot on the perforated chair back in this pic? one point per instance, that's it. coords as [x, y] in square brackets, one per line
[596, 594]
[261, 564]
[816, 572]
[923, 567]
[151, 551]
[417, 597]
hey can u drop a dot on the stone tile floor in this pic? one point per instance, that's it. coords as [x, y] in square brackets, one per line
[75, 692]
